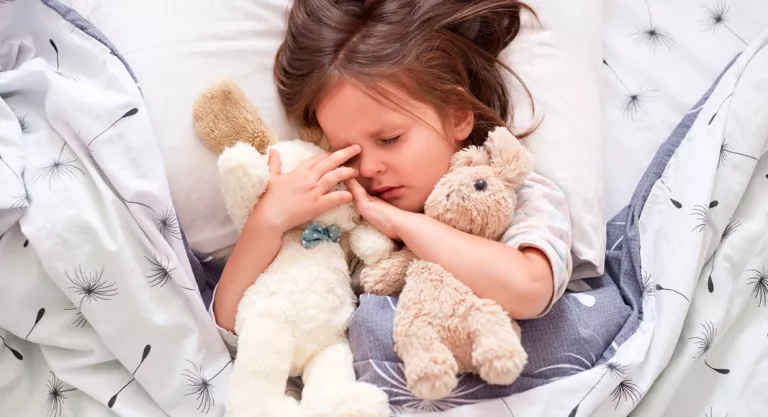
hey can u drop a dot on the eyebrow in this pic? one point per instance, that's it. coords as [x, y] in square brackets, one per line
[376, 133]
[382, 133]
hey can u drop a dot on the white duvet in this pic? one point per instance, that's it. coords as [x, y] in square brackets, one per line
[706, 263]
[99, 311]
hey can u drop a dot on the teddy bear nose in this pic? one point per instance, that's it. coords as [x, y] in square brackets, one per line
[480, 185]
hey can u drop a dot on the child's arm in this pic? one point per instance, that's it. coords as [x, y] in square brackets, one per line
[291, 199]
[255, 250]
[521, 281]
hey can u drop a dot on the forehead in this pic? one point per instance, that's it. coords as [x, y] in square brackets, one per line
[350, 111]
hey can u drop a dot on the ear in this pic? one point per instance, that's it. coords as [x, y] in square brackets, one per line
[462, 123]
[471, 156]
[511, 161]
[223, 116]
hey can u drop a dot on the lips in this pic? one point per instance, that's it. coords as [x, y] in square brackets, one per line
[387, 192]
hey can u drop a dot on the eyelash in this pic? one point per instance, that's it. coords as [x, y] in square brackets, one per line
[390, 141]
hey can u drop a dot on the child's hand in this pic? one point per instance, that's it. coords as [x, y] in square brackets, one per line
[303, 194]
[380, 214]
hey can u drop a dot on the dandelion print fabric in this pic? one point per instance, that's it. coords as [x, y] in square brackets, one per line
[693, 242]
[100, 313]
[658, 58]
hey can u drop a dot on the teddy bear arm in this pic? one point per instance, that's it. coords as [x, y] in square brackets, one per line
[387, 277]
[369, 244]
[243, 178]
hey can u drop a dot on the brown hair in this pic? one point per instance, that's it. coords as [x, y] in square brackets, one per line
[426, 47]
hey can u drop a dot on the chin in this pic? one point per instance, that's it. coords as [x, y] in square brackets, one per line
[407, 205]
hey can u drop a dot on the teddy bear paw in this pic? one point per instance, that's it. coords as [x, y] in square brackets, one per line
[434, 380]
[500, 367]
[370, 279]
[356, 399]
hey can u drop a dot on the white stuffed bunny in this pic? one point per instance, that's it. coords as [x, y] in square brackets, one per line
[293, 320]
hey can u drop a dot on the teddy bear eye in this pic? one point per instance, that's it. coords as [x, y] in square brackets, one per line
[480, 185]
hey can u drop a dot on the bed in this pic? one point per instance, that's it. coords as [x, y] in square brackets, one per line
[109, 268]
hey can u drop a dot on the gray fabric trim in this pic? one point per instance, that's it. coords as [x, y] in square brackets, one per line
[631, 214]
[70, 15]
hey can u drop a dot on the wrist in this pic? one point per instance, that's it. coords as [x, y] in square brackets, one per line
[265, 224]
[403, 222]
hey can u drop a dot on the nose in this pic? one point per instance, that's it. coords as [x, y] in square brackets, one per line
[370, 165]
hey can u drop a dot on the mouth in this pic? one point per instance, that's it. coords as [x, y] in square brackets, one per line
[387, 192]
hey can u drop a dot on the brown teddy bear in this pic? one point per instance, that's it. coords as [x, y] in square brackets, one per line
[441, 327]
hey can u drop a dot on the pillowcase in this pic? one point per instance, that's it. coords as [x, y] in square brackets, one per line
[558, 58]
[177, 48]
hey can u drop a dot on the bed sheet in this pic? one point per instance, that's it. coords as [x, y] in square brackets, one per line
[658, 58]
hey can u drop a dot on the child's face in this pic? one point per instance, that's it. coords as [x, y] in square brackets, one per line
[406, 145]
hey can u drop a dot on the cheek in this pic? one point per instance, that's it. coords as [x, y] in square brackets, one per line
[429, 160]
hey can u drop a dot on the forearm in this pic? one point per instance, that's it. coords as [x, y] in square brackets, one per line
[520, 281]
[254, 251]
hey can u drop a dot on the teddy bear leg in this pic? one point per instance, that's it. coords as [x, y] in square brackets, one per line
[260, 374]
[430, 367]
[497, 353]
[331, 389]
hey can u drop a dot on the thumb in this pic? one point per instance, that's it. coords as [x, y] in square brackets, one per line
[274, 163]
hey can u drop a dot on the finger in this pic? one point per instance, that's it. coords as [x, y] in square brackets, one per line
[357, 190]
[335, 160]
[273, 163]
[331, 179]
[310, 163]
[335, 199]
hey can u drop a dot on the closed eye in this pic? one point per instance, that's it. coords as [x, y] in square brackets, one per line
[389, 141]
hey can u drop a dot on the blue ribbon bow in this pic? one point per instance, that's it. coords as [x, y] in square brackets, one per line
[314, 234]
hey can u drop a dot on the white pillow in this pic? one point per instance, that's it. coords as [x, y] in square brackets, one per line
[558, 59]
[177, 48]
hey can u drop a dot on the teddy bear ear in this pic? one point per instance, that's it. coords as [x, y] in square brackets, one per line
[509, 158]
[223, 116]
[470, 156]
